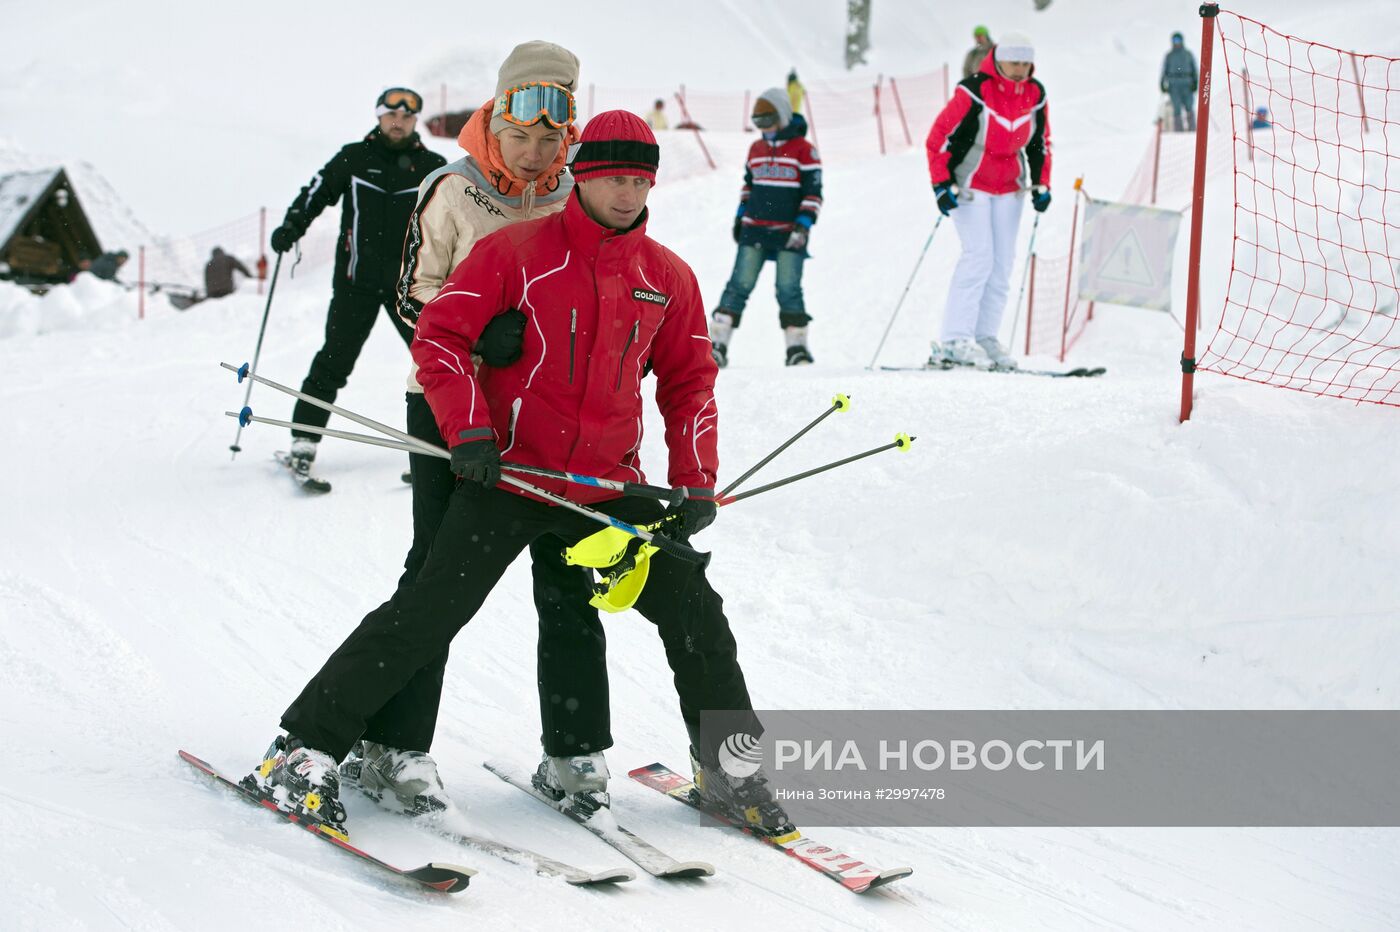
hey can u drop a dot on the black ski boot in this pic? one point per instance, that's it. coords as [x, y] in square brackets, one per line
[746, 800]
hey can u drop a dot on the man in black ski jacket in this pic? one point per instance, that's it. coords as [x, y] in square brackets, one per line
[377, 181]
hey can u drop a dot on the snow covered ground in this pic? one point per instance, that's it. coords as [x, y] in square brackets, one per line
[1046, 544]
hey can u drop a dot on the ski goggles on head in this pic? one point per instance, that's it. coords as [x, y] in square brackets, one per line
[399, 98]
[529, 103]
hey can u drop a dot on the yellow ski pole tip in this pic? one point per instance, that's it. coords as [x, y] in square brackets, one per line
[841, 402]
[902, 441]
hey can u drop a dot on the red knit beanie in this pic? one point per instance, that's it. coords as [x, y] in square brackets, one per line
[616, 142]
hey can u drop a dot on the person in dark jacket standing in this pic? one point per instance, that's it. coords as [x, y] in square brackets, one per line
[780, 201]
[1179, 83]
[218, 273]
[377, 181]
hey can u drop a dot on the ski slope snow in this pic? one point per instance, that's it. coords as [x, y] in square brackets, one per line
[1056, 544]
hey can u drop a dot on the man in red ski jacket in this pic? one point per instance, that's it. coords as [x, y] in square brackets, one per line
[602, 302]
[989, 145]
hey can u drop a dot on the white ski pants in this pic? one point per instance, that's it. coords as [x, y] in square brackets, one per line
[987, 225]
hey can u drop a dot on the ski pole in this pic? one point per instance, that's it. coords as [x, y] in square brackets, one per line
[246, 417]
[639, 489]
[839, 403]
[1025, 273]
[900, 442]
[245, 373]
[900, 303]
[257, 351]
[662, 542]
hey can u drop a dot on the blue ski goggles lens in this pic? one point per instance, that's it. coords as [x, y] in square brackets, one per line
[528, 104]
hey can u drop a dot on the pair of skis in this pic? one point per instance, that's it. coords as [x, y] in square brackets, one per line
[852, 874]
[1083, 372]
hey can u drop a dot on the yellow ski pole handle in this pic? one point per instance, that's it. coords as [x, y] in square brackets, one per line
[901, 442]
[840, 402]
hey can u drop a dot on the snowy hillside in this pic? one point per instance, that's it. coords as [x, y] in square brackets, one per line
[1046, 544]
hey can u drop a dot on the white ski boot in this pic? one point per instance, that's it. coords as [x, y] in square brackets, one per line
[400, 781]
[746, 800]
[997, 353]
[952, 353]
[302, 455]
[301, 780]
[582, 780]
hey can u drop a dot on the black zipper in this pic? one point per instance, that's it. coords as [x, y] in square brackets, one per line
[573, 331]
[623, 361]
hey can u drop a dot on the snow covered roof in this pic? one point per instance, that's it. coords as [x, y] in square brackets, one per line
[20, 194]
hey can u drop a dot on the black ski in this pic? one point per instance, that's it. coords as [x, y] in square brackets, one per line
[1083, 372]
[305, 481]
[605, 826]
[441, 878]
[853, 874]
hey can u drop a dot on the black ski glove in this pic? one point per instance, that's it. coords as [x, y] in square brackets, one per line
[284, 238]
[502, 339]
[477, 461]
[947, 197]
[1040, 198]
[738, 227]
[691, 516]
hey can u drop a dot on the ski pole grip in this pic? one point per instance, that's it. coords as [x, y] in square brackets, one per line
[680, 551]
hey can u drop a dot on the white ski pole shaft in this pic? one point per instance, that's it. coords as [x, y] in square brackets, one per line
[1025, 274]
[257, 351]
[246, 417]
[912, 275]
[244, 373]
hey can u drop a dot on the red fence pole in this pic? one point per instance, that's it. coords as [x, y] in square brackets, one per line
[899, 108]
[591, 111]
[1360, 92]
[1069, 272]
[685, 113]
[879, 120]
[1156, 161]
[262, 245]
[141, 284]
[1198, 209]
[947, 88]
[1030, 306]
[744, 120]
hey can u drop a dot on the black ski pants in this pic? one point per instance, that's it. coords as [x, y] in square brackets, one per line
[482, 532]
[348, 323]
[572, 651]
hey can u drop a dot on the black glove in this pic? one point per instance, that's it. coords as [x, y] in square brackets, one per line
[738, 227]
[1040, 198]
[1164, 87]
[947, 197]
[501, 339]
[691, 516]
[284, 238]
[477, 461]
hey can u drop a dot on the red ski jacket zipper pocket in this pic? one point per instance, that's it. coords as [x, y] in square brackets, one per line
[623, 361]
[573, 334]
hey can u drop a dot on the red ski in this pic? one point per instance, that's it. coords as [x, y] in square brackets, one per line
[442, 878]
[853, 874]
